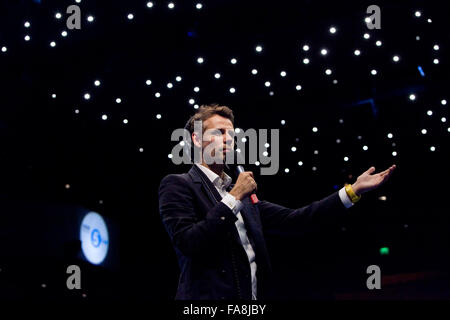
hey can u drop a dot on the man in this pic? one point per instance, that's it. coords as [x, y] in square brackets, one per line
[217, 232]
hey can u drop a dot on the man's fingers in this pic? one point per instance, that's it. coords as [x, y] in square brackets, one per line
[370, 170]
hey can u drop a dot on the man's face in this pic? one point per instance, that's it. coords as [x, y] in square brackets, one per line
[218, 137]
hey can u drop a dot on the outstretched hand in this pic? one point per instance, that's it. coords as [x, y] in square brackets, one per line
[368, 181]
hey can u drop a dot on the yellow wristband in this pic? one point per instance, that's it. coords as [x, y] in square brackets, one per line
[351, 194]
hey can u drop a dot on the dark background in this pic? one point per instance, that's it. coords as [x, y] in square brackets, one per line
[46, 145]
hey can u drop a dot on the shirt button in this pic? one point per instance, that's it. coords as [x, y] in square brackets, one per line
[223, 218]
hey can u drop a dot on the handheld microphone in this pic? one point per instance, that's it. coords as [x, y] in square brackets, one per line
[237, 169]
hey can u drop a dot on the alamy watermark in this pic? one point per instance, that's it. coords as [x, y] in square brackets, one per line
[374, 20]
[256, 141]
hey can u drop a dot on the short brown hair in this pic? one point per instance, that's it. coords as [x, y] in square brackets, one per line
[206, 111]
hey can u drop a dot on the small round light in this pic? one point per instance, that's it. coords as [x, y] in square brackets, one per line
[267, 83]
[300, 163]
[237, 130]
[27, 38]
[148, 82]
[125, 121]
[182, 143]
[432, 148]
[283, 74]
[283, 122]
[367, 20]
[396, 58]
[366, 36]
[170, 85]
[158, 116]
[357, 52]
[324, 52]
[314, 129]
[130, 16]
[436, 47]
[390, 135]
[298, 87]
[293, 149]
[27, 24]
[424, 131]
[267, 145]
[333, 30]
[429, 20]
[316, 152]
[178, 79]
[200, 60]
[244, 139]
[412, 97]
[341, 121]
[191, 101]
[170, 156]
[306, 61]
[258, 48]
[429, 112]
[345, 158]
[196, 89]
[199, 6]
[378, 43]
[418, 14]
[217, 75]
[118, 100]
[90, 18]
[233, 61]
[87, 96]
[149, 4]
[58, 15]
[436, 61]
[373, 72]
[314, 168]
[157, 94]
[305, 47]
[338, 140]
[53, 96]
[77, 111]
[196, 106]
[286, 170]
[417, 38]
[64, 33]
[443, 119]
[335, 81]
[265, 153]
[104, 117]
[232, 90]
[254, 71]
[257, 163]
[52, 44]
[394, 153]
[328, 72]
[444, 102]
[365, 148]
[141, 149]
[171, 5]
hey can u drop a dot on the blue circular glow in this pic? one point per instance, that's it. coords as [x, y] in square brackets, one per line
[94, 238]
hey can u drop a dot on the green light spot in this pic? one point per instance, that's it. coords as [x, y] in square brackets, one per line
[384, 251]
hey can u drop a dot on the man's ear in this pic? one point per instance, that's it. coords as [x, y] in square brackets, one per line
[196, 140]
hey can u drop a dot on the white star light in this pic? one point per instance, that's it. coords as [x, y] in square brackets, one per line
[58, 15]
[64, 33]
[217, 75]
[158, 116]
[396, 58]
[357, 52]
[254, 71]
[27, 38]
[232, 90]
[412, 97]
[52, 44]
[306, 61]
[305, 47]
[97, 83]
[258, 48]
[178, 78]
[90, 18]
[267, 83]
[283, 73]
[199, 6]
[148, 82]
[333, 30]
[233, 61]
[200, 60]
[324, 52]
[171, 5]
[149, 4]
[130, 16]
[366, 36]
[373, 72]
[298, 87]
[27, 24]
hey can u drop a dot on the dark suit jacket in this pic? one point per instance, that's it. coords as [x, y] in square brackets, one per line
[213, 262]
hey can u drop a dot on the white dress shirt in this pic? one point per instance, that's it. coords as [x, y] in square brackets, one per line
[236, 206]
